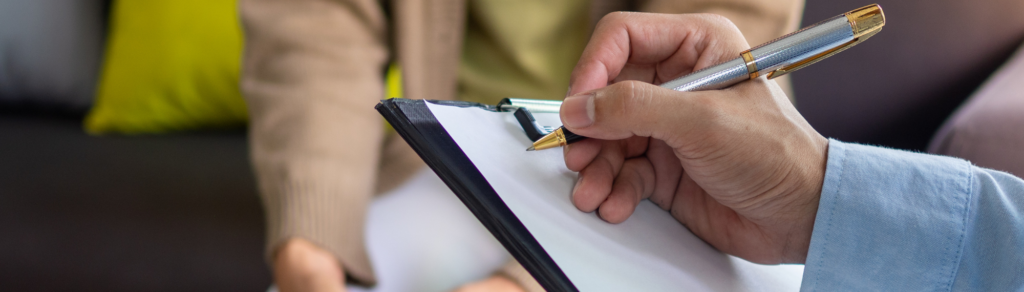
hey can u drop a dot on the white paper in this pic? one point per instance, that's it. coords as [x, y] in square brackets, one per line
[420, 237]
[650, 251]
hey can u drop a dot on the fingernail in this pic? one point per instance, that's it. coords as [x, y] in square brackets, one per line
[568, 91]
[578, 110]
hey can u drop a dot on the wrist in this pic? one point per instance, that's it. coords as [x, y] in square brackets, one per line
[806, 206]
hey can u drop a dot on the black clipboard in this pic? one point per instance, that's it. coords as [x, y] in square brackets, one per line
[415, 123]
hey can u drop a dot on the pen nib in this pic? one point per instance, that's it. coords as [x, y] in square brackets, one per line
[530, 149]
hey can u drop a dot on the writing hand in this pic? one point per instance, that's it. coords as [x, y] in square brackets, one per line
[739, 167]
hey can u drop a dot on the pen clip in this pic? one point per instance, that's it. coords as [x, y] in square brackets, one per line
[865, 23]
[533, 130]
[812, 59]
[510, 104]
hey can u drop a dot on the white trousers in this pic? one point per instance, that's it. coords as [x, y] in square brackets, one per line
[420, 237]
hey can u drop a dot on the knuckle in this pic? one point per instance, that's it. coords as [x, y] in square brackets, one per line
[612, 18]
[716, 18]
[717, 22]
[632, 96]
[629, 104]
[636, 101]
[725, 24]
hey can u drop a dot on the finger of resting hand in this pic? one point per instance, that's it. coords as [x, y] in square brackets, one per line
[634, 183]
[491, 284]
[299, 265]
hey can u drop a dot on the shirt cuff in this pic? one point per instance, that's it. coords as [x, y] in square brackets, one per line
[888, 220]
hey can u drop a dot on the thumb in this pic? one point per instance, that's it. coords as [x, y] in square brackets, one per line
[634, 108]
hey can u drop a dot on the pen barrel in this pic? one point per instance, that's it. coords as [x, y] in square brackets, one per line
[571, 137]
[782, 52]
[803, 44]
[715, 77]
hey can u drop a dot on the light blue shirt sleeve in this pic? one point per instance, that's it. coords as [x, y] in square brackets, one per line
[892, 220]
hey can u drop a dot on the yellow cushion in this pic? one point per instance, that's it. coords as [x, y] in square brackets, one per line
[393, 82]
[392, 89]
[170, 65]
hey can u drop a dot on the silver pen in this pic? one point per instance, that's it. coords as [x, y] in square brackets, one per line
[772, 59]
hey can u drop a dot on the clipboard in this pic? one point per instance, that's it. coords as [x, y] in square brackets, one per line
[651, 250]
[416, 124]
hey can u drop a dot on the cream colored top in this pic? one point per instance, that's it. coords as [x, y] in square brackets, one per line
[524, 48]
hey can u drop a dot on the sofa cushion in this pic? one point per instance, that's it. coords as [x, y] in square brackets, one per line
[988, 129]
[170, 65]
[897, 88]
[50, 52]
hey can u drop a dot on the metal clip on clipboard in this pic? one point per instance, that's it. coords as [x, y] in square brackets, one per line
[524, 109]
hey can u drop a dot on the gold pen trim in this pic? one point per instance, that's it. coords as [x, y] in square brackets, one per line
[552, 140]
[865, 22]
[751, 65]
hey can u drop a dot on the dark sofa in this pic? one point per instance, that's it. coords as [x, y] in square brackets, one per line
[180, 212]
[152, 213]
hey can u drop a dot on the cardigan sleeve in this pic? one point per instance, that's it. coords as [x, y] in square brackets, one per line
[312, 72]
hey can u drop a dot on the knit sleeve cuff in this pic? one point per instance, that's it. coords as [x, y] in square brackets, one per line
[323, 216]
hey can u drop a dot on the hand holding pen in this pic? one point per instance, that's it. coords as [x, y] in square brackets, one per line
[739, 167]
[773, 59]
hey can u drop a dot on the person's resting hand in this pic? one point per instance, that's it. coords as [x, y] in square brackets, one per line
[739, 167]
[491, 284]
[300, 265]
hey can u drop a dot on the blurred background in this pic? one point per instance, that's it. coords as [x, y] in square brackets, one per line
[123, 156]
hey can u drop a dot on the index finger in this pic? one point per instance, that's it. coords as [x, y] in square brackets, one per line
[675, 44]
